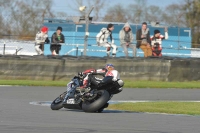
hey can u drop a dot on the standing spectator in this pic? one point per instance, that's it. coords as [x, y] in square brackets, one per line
[40, 39]
[126, 39]
[56, 39]
[156, 42]
[102, 39]
[143, 40]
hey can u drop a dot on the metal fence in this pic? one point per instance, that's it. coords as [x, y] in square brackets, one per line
[74, 45]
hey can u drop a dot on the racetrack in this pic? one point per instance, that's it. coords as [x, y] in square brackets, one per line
[18, 116]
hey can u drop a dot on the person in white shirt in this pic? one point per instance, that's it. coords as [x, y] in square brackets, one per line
[40, 39]
[102, 39]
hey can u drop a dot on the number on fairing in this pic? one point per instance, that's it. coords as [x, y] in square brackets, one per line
[70, 101]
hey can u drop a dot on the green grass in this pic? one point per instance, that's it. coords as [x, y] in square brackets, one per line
[161, 84]
[33, 83]
[128, 83]
[189, 108]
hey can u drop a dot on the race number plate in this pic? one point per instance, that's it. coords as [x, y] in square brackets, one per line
[70, 101]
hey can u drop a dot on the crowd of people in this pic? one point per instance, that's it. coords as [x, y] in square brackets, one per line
[151, 46]
[42, 38]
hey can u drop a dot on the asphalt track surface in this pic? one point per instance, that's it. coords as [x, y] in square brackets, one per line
[17, 115]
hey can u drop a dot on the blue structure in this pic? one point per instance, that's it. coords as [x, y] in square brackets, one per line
[178, 44]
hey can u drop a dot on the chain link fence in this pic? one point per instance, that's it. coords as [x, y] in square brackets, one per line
[175, 46]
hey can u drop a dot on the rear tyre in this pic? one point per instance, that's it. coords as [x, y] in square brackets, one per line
[96, 106]
[102, 108]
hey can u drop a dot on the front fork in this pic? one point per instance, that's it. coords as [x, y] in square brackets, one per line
[71, 88]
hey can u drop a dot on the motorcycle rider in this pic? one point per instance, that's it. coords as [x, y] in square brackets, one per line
[108, 72]
[89, 77]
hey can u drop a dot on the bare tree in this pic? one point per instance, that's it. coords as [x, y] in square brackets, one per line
[116, 13]
[192, 10]
[4, 4]
[174, 15]
[137, 12]
[61, 15]
[98, 6]
[154, 14]
[25, 17]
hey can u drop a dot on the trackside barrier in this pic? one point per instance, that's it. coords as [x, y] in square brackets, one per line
[65, 67]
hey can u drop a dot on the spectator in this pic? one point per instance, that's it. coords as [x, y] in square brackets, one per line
[143, 40]
[40, 39]
[156, 42]
[56, 39]
[102, 39]
[126, 39]
[157, 38]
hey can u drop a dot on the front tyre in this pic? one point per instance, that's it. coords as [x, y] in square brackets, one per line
[101, 99]
[58, 102]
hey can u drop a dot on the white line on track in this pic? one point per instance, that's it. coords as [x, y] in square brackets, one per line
[48, 103]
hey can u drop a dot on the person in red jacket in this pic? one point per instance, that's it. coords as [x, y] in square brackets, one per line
[156, 42]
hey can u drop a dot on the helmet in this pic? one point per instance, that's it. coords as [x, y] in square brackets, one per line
[81, 75]
[44, 29]
[109, 67]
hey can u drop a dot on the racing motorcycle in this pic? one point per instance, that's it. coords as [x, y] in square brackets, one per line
[95, 99]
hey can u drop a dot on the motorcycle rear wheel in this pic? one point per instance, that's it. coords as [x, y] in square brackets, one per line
[103, 98]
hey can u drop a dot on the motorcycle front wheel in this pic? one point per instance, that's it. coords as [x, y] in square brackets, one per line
[58, 102]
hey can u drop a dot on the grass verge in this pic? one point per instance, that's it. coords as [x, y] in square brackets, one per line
[33, 83]
[128, 83]
[188, 108]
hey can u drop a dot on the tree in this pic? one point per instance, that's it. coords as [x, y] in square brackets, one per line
[174, 15]
[98, 6]
[24, 18]
[137, 12]
[3, 12]
[192, 10]
[116, 14]
[36, 11]
[154, 14]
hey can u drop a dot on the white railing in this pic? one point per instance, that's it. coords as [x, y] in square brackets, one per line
[13, 49]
